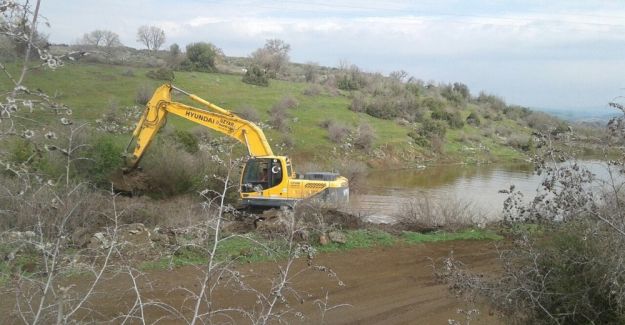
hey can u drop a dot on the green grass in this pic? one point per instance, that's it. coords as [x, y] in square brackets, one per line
[361, 238]
[248, 250]
[238, 248]
[91, 89]
[468, 234]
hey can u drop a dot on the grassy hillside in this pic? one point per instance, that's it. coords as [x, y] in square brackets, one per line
[92, 90]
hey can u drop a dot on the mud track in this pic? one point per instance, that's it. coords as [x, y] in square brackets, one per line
[392, 285]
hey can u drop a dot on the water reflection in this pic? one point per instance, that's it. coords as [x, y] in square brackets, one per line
[387, 190]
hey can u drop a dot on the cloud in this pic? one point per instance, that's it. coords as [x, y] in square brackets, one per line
[485, 43]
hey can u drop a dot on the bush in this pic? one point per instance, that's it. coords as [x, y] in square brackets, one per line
[325, 124]
[143, 95]
[312, 90]
[106, 159]
[186, 140]
[278, 119]
[128, 73]
[427, 214]
[473, 119]
[201, 57]
[356, 172]
[491, 102]
[161, 74]
[430, 130]
[365, 137]
[352, 79]
[255, 76]
[359, 104]
[21, 151]
[287, 102]
[249, 114]
[433, 104]
[383, 107]
[170, 170]
[521, 141]
[337, 132]
[453, 119]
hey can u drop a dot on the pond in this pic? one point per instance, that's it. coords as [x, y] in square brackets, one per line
[474, 187]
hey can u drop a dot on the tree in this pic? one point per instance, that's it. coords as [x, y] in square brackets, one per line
[255, 76]
[174, 50]
[151, 36]
[201, 56]
[101, 38]
[272, 57]
[17, 31]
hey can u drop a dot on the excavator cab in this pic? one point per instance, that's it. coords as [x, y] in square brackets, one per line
[265, 182]
[261, 174]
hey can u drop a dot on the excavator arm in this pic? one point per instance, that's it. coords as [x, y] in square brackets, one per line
[218, 119]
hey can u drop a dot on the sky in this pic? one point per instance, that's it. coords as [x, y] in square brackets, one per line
[558, 54]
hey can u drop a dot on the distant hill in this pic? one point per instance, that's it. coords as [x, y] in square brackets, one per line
[596, 114]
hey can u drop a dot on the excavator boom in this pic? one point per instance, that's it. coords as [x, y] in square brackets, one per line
[219, 119]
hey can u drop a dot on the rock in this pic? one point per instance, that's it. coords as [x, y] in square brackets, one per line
[19, 235]
[81, 237]
[380, 219]
[159, 237]
[135, 234]
[302, 235]
[29, 234]
[98, 241]
[337, 237]
[323, 240]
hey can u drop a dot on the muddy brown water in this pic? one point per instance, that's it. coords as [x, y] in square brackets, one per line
[387, 191]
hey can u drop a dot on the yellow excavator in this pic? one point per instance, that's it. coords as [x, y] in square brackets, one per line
[267, 180]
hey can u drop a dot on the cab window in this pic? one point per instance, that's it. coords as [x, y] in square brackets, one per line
[263, 172]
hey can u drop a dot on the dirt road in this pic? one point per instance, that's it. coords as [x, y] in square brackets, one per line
[391, 285]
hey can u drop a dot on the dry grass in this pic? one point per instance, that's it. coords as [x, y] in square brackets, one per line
[450, 213]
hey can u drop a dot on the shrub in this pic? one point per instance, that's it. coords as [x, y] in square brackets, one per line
[451, 213]
[326, 123]
[520, 141]
[352, 79]
[337, 132]
[143, 95]
[312, 90]
[21, 151]
[429, 130]
[255, 76]
[128, 73]
[457, 94]
[186, 140]
[161, 74]
[433, 104]
[278, 119]
[287, 102]
[359, 104]
[453, 119]
[473, 119]
[248, 113]
[170, 169]
[365, 137]
[356, 172]
[105, 158]
[383, 107]
[288, 142]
